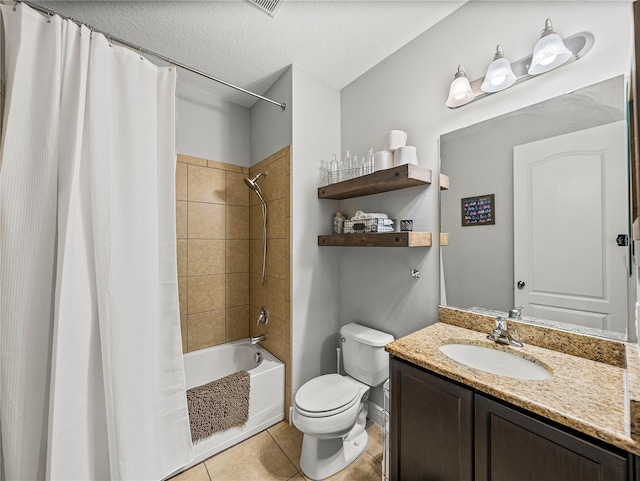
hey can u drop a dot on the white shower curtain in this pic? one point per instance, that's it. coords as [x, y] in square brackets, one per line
[91, 375]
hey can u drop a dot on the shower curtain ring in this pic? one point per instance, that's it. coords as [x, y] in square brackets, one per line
[109, 39]
[49, 14]
[15, 3]
[140, 49]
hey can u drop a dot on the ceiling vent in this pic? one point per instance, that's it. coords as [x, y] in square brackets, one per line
[270, 7]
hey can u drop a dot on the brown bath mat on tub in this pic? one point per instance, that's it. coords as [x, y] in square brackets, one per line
[219, 405]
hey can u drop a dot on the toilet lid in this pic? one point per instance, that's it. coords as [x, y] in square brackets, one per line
[326, 393]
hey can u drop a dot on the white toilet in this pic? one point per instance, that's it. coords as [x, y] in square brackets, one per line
[331, 410]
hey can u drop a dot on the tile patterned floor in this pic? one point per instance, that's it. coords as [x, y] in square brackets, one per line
[274, 454]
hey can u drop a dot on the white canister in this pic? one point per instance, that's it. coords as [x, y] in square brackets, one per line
[395, 139]
[383, 159]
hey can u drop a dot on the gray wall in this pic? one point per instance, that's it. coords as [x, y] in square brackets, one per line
[271, 127]
[211, 128]
[315, 289]
[407, 91]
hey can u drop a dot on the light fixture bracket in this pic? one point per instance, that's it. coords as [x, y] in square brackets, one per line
[579, 44]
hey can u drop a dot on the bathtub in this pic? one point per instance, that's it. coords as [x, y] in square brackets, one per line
[266, 398]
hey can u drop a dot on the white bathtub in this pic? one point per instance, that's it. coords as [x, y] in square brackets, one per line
[266, 397]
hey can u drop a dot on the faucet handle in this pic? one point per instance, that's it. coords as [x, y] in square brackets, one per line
[501, 323]
[516, 313]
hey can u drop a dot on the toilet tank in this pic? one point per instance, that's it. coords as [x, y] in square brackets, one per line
[363, 353]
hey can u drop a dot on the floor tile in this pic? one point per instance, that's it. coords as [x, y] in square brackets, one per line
[197, 473]
[257, 459]
[374, 447]
[289, 438]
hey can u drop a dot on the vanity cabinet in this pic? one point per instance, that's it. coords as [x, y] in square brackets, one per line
[431, 427]
[443, 431]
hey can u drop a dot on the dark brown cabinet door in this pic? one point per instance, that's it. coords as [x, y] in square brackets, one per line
[511, 446]
[431, 427]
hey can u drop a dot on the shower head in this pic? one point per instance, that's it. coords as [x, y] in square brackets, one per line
[253, 185]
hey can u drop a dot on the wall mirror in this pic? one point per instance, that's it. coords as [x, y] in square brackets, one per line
[557, 243]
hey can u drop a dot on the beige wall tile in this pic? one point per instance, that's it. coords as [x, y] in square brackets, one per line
[181, 181]
[187, 159]
[228, 167]
[258, 293]
[237, 192]
[256, 222]
[182, 294]
[261, 166]
[277, 258]
[206, 293]
[206, 257]
[237, 222]
[237, 256]
[275, 342]
[237, 290]
[237, 319]
[206, 185]
[255, 253]
[206, 329]
[279, 179]
[278, 223]
[181, 220]
[181, 245]
[276, 297]
[206, 221]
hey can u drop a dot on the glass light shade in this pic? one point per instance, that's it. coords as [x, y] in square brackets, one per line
[460, 92]
[499, 75]
[550, 52]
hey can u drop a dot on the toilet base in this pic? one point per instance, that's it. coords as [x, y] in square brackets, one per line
[323, 457]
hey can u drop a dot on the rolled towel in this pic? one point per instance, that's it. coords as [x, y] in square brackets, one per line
[369, 215]
[386, 229]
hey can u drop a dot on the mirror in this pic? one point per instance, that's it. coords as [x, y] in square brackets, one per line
[536, 202]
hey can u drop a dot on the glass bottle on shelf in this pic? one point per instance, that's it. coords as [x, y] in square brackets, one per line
[333, 169]
[347, 166]
[370, 161]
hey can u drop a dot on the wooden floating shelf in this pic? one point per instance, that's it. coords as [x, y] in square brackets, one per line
[401, 177]
[444, 182]
[383, 239]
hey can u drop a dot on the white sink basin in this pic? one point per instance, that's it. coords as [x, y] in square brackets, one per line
[495, 361]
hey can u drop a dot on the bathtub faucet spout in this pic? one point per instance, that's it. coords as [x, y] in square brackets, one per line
[257, 339]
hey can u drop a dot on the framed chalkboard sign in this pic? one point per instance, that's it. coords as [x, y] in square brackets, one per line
[478, 210]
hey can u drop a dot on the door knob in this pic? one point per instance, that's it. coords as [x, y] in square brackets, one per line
[520, 284]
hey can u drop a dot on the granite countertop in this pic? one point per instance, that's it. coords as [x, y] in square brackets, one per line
[592, 390]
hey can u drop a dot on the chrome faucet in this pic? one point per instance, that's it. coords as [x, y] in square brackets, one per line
[501, 334]
[257, 339]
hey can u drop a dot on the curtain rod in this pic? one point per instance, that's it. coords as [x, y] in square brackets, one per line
[145, 51]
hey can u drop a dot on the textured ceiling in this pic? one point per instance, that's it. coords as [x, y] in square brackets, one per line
[336, 40]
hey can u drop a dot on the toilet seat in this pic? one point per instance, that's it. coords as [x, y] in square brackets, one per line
[328, 395]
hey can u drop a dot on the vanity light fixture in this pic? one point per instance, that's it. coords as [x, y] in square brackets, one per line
[550, 52]
[499, 74]
[460, 92]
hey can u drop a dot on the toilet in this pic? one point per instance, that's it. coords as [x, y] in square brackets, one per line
[331, 410]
